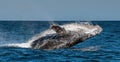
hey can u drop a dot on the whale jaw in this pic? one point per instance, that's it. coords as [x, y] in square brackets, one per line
[69, 39]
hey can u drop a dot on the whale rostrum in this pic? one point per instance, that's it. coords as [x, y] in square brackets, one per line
[65, 36]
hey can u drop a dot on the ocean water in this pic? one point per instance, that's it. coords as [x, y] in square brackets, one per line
[104, 47]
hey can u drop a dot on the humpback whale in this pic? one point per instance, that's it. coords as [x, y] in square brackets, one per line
[64, 36]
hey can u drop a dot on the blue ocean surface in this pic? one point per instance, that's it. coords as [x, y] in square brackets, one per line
[104, 47]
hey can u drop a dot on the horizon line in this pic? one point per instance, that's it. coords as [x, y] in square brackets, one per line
[59, 20]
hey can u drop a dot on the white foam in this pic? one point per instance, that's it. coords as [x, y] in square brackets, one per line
[90, 48]
[22, 45]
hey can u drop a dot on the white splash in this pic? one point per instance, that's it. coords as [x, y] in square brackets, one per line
[22, 45]
[90, 48]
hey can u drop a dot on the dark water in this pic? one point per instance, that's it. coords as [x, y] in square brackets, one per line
[104, 47]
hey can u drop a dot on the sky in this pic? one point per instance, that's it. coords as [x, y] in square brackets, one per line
[59, 10]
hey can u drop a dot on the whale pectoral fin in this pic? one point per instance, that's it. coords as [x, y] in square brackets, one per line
[58, 29]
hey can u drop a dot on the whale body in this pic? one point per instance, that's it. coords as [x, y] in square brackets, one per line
[64, 36]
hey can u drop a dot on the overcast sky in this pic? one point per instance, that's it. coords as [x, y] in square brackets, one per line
[59, 9]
